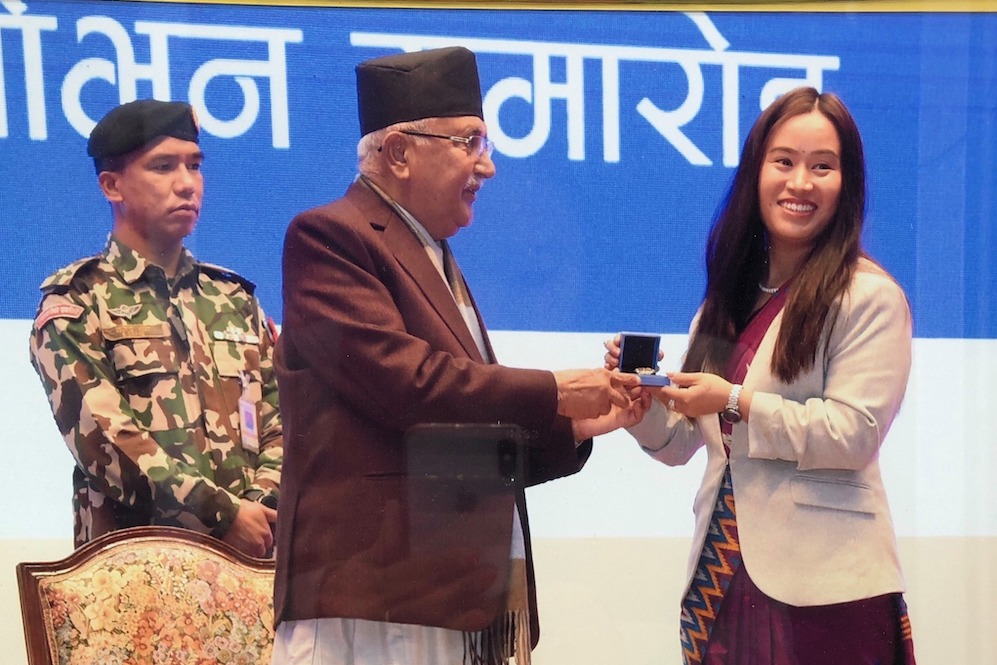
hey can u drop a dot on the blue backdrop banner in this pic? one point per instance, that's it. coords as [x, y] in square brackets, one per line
[616, 135]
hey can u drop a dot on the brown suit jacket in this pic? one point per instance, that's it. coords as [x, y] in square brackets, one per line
[372, 343]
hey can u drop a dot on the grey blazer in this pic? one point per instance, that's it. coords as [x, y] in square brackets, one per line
[812, 513]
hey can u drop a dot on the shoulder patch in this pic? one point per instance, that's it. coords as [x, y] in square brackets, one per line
[64, 276]
[224, 273]
[57, 311]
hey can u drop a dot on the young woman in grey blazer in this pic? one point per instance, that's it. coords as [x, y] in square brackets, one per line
[797, 365]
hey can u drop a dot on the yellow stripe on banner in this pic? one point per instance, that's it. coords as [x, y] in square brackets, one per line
[824, 6]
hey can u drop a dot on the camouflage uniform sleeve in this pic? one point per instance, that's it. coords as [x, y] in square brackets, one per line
[266, 479]
[119, 457]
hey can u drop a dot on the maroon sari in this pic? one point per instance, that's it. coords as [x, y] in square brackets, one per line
[727, 620]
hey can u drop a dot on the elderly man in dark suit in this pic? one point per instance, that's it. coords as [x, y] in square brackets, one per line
[381, 334]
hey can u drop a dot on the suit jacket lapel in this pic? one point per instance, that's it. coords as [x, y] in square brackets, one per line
[412, 257]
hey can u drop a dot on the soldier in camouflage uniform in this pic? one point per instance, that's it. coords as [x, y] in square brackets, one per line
[158, 367]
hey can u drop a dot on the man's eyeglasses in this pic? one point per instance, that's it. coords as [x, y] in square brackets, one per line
[479, 145]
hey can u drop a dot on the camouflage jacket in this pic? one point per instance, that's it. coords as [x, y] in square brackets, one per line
[146, 378]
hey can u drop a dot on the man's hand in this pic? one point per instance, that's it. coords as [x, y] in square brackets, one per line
[615, 419]
[590, 393]
[250, 531]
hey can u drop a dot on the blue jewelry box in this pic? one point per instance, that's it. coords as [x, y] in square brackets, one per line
[639, 355]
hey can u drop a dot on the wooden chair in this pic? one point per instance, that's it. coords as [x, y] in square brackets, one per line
[151, 595]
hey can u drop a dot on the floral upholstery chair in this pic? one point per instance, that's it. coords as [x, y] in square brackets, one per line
[149, 595]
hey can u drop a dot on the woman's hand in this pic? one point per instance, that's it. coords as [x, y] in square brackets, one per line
[612, 357]
[695, 394]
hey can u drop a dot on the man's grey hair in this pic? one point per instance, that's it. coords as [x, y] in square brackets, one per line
[369, 148]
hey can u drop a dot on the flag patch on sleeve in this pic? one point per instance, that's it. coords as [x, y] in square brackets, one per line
[60, 311]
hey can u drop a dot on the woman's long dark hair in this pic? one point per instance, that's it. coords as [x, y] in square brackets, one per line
[737, 252]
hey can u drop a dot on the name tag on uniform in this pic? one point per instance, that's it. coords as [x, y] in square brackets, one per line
[248, 418]
[136, 331]
[248, 425]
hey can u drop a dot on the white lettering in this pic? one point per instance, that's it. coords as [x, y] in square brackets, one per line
[31, 28]
[541, 90]
[274, 69]
[125, 73]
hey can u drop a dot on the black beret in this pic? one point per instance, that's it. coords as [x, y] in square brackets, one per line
[130, 126]
[438, 83]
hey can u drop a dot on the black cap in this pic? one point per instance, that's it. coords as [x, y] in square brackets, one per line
[439, 83]
[130, 126]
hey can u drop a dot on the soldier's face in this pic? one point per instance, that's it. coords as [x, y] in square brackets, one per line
[158, 191]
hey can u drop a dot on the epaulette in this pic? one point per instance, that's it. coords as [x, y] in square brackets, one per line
[225, 273]
[63, 277]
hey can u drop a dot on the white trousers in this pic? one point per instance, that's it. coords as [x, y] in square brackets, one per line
[361, 642]
[334, 641]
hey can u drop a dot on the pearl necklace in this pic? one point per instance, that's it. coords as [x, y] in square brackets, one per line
[768, 289]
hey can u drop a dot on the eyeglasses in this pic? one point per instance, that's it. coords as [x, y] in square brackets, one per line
[479, 145]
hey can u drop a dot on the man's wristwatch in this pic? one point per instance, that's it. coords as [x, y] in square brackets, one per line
[731, 413]
[269, 499]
